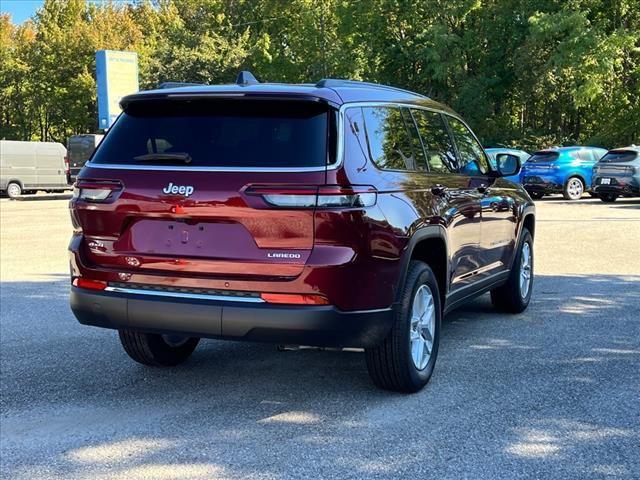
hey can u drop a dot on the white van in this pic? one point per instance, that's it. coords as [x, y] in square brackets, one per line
[26, 167]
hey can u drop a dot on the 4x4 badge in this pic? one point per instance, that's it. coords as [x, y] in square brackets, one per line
[185, 190]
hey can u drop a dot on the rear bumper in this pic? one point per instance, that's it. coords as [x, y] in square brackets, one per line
[234, 320]
[627, 186]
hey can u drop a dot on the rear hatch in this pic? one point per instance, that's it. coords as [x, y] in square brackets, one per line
[207, 187]
[617, 162]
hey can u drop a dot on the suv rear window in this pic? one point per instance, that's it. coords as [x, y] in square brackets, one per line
[620, 156]
[542, 157]
[219, 133]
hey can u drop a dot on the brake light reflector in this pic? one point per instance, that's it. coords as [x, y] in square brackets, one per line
[95, 191]
[89, 284]
[351, 196]
[326, 196]
[295, 298]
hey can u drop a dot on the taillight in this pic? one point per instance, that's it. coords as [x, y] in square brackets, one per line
[326, 196]
[96, 190]
[89, 284]
[67, 165]
[295, 298]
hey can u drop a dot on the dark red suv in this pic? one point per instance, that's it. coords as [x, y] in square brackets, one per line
[340, 214]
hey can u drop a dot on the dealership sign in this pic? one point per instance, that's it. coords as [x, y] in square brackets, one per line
[116, 76]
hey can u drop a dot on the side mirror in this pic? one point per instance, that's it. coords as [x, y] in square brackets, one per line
[507, 164]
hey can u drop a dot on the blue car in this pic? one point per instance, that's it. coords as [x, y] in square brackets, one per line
[565, 170]
[521, 154]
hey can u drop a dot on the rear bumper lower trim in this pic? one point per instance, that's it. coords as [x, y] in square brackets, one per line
[193, 296]
[230, 319]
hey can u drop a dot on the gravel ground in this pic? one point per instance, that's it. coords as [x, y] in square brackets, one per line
[551, 393]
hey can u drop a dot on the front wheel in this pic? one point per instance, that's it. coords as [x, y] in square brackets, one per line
[608, 197]
[14, 190]
[405, 360]
[514, 296]
[157, 350]
[573, 189]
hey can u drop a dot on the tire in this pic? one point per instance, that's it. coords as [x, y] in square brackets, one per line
[573, 189]
[608, 197]
[391, 365]
[536, 195]
[510, 296]
[156, 350]
[14, 190]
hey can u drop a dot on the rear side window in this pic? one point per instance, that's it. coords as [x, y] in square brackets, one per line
[390, 144]
[543, 157]
[219, 133]
[473, 160]
[438, 147]
[620, 156]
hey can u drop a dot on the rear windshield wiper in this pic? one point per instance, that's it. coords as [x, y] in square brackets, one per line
[164, 157]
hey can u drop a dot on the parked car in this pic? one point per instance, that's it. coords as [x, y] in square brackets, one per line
[79, 150]
[26, 167]
[521, 154]
[618, 174]
[565, 170]
[339, 214]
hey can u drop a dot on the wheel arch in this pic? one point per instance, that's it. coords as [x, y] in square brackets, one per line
[15, 180]
[529, 222]
[430, 245]
[580, 176]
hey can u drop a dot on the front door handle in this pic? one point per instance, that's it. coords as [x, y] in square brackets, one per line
[439, 190]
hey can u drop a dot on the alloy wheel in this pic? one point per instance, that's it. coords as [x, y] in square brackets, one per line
[525, 269]
[575, 188]
[423, 327]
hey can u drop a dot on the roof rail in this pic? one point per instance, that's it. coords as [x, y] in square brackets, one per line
[164, 85]
[338, 82]
[246, 78]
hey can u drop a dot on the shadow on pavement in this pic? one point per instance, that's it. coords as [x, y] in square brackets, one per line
[548, 393]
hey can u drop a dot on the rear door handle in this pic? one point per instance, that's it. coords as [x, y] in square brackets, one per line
[439, 190]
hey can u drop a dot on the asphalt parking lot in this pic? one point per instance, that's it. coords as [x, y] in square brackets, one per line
[551, 393]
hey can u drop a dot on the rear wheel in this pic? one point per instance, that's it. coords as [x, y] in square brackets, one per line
[157, 350]
[573, 189]
[515, 294]
[14, 190]
[608, 197]
[536, 195]
[405, 360]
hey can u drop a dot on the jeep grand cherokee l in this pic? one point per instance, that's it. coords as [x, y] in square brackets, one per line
[338, 214]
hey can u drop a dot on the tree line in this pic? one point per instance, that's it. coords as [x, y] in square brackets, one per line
[523, 73]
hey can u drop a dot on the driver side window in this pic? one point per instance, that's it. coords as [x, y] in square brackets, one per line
[472, 159]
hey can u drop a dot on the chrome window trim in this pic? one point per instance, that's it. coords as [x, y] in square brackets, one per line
[194, 296]
[172, 168]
